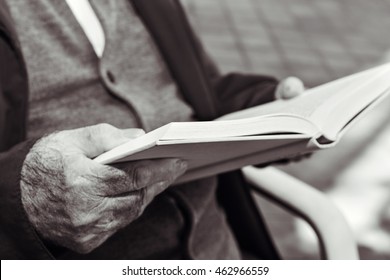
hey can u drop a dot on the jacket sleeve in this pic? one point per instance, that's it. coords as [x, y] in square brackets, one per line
[18, 239]
[236, 91]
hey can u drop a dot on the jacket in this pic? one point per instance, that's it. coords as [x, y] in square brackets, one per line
[210, 94]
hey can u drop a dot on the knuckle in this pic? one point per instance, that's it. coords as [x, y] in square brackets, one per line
[89, 242]
[140, 177]
[93, 131]
[122, 221]
[84, 243]
[80, 244]
[108, 222]
[78, 221]
[83, 248]
[89, 133]
[74, 182]
[105, 127]
[139, 204]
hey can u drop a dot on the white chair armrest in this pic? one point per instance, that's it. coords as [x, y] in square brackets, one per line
[335, 236]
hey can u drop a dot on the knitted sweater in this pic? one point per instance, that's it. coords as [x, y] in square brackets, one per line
[129, 86]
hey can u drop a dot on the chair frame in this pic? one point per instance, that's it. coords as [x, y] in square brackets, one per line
[335, 236]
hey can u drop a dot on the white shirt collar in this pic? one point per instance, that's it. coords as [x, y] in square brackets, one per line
[89, 22]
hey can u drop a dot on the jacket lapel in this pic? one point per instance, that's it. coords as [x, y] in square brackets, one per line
[166, 21]
[7, 29]
[13, 84]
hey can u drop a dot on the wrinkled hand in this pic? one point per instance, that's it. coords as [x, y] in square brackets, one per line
[77, 203]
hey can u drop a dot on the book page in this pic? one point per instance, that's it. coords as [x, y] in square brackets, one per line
[330, 106]
[199, 154]
[259, 125]
[356, 95]
[233, 137]
[303, 106]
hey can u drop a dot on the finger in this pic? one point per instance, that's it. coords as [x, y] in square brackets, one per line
[88, 242]
[97, 139]
[289, 88]
[126, 209]
[149, 172]
[103, 180]
[136, 200]
[111, 219]
[133, 176]
[154, 190]
[132, 133]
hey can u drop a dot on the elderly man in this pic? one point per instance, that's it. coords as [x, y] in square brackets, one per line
[66, 67]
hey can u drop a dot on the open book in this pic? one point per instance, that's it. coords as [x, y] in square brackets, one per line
[270, 132]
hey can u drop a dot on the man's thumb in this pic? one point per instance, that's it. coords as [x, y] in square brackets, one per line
[289, 88]
[133, 132]
[97, 139]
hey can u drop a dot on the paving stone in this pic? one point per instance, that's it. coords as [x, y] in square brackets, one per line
[302, 56]
[255, 43]
[290, 37]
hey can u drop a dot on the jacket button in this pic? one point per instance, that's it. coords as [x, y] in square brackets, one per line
[111, 76]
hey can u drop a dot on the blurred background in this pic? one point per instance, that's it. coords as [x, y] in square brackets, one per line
[317, 41]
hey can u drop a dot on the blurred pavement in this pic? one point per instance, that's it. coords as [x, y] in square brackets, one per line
[317, 41]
